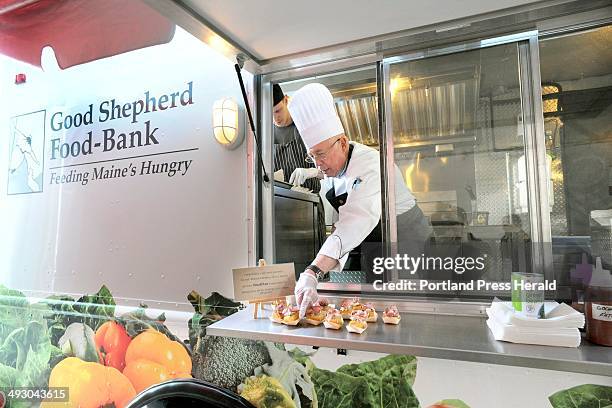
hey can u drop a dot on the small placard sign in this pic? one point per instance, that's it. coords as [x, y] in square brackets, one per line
[264, 282]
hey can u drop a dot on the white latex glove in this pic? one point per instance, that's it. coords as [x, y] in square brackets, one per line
[306, 292]
[299, 176]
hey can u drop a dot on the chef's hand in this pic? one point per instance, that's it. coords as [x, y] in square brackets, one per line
[306, 292]
[299, 176]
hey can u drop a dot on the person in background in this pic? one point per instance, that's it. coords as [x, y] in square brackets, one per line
[353, 176]
[289, 150]
[290, 154]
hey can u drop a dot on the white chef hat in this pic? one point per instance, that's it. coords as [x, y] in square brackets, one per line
[314, 114]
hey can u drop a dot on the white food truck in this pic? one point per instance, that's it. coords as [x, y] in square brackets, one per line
[137, 175]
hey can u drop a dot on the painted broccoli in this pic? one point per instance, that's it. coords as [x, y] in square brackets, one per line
[227, 361]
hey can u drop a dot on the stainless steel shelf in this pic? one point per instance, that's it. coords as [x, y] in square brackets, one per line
[435, 336]
[284, 190]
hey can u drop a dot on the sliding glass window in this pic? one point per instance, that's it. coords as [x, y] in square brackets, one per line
[457, 136]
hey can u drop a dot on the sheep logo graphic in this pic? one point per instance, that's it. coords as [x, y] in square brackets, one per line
[26, 153]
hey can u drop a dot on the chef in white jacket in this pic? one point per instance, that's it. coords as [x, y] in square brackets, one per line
[352, 176]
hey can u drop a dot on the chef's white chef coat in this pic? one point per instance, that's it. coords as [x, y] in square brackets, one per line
[361, 212]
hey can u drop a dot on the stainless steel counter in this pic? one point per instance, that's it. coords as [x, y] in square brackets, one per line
[424, 335]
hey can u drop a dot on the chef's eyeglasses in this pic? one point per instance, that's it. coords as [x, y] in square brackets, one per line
[312, 158]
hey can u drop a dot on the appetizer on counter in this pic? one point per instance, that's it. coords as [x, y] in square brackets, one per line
[324, 303]
[291, 315]
[315, 314]
[358, 322]
[333, 320]
[391, 315]
[278, 313]
[360, 314]
[356, 305]
[371, 311]
[346, 308]
[349, 306]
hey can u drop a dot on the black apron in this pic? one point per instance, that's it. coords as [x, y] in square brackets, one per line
[290, 154]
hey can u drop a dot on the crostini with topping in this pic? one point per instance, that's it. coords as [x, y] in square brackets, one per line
[315, 315]
[391, 315]
[371, 311]
[358, 322]
[291, 315]
[346, 308]
[333, 320]
[278, 313]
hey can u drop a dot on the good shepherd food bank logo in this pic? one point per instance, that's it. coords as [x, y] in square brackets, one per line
[99, 142]
[26, 153]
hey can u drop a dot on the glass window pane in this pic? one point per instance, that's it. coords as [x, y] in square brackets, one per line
[576, 75]
[458, 135]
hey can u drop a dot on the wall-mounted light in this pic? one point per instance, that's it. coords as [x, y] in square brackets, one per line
[226, 123]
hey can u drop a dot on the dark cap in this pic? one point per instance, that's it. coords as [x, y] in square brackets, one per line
[277, 94]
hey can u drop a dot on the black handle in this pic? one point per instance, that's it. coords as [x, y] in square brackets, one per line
[248, 109]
